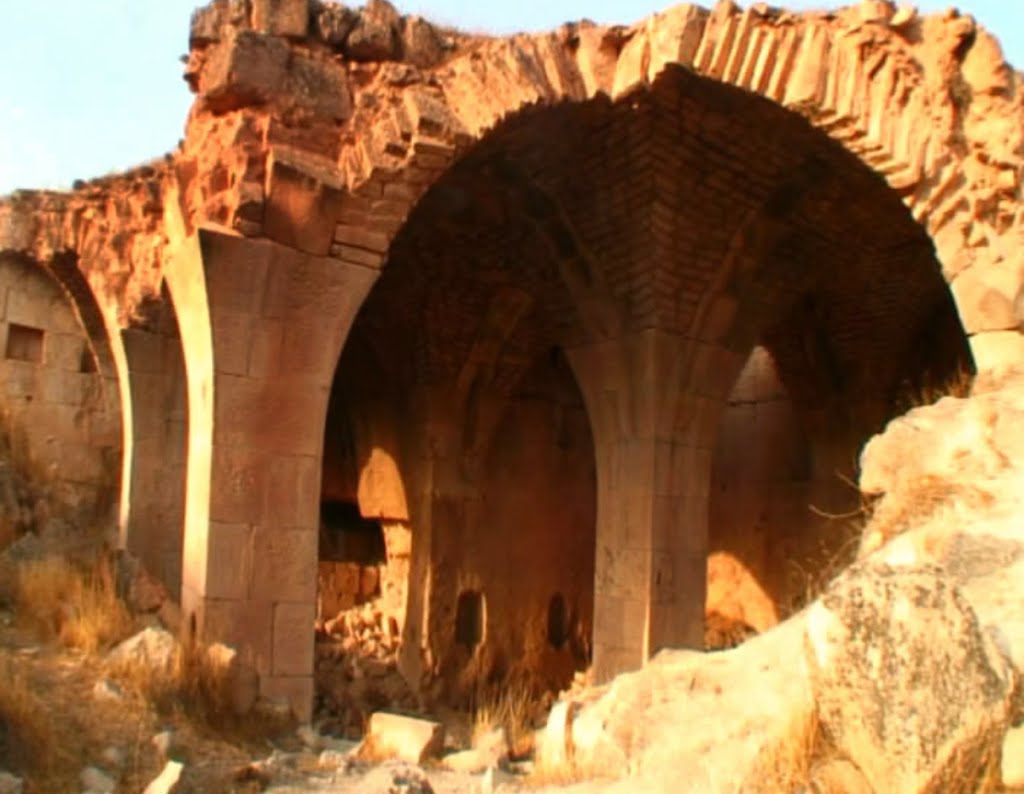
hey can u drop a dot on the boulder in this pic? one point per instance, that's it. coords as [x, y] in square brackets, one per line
[406, 738]
[333, 22]
[745, 705]
[949, 485]
[1013, 759]
[281, 17]
[151, 648]
[907, 686]
[375, 35]
[165, 782]
[422, 45]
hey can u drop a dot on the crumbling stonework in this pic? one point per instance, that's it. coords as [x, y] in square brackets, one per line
[536, 266]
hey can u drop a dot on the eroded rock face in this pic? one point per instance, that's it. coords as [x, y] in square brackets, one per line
[906, 683]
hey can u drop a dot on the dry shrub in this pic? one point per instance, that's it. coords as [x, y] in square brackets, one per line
[201, 688]
[77, 605]
[568, 771]
[916, 503]
[959, 385]
[27, 739]
[513, 707]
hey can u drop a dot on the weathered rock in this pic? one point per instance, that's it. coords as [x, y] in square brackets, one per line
[241, 681]
[1013, 759]
[396, 779]
[406, 738]
[950, 491]
[907, 686]
[95, 780]
[141, 591]
[758, 693]
[375, 35]
[9, 784]
[163, 742]
[151, 648]
[105, 689]
[488, 751]
[422, 45]
[168, 778]
[333, 22]
[838, 776]
[281, 17]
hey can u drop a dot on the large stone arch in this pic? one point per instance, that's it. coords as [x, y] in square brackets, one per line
[324, 153]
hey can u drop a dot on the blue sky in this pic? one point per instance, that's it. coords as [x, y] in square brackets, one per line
[93, 86]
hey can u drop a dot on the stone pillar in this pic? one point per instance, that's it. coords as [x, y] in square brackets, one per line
[653, 435]
[156, 507]
[262, 328]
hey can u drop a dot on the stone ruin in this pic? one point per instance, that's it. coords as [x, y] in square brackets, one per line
[438, 360]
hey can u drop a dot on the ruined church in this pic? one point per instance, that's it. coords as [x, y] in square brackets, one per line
[542, 352]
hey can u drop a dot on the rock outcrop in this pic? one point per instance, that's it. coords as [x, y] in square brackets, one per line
[906, 683]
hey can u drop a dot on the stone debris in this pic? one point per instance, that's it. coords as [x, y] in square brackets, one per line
[113, 757]
[9, 784]
[105, 689]
[396, 779]
[357, 668]
[163, 743]
[165, 782]
[1013, 758]
[151, 648]
[96, 781]
[407, 739]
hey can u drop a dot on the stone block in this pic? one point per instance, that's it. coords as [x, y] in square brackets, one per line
[281, 17]
[246, 68]
[293, 639]
[245, 625]
[300, 209]
[292, 498]
[230, 560]
[405, 738]
[285, 565]
[296, 691]
[232, 339]
[239, 478]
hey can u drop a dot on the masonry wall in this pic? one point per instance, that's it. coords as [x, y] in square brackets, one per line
[781, 491]
[56, 403]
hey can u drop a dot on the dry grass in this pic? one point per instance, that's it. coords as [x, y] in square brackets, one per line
[513, 708]
[959, 384]
[200, 689]
[76, 605]
[565, 771]
[27, 740]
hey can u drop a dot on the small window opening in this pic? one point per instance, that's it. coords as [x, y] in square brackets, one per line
[24, 343]
[87, 361]
[345, 536]
[469, 619]
[558, 621]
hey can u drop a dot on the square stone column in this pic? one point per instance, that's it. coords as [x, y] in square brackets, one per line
[653, 433]
[262, 329]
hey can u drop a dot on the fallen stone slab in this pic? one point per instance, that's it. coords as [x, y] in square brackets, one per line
[168, 778]
[408, 739]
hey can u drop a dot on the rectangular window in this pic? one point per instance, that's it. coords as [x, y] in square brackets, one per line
[24, 343]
